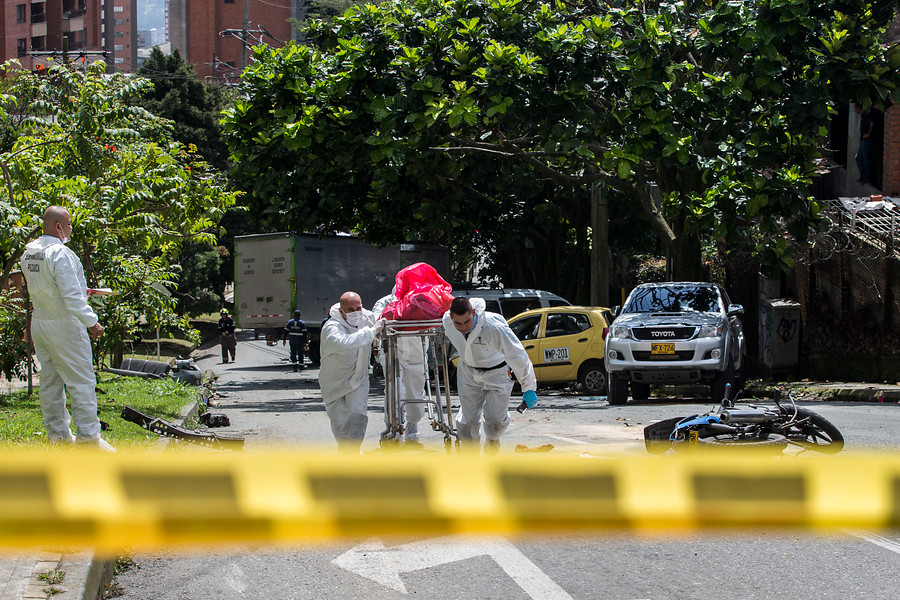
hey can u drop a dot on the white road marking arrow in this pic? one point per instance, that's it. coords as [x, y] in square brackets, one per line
[875, 539]
[374, 561]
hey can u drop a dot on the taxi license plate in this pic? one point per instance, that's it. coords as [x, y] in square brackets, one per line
[662, 348]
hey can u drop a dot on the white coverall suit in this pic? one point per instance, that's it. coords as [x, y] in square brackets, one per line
[344, 375]
[411, 356]
[62, 345]
[481, 376]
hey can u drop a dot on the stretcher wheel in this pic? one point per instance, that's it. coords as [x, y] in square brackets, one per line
[395, 441]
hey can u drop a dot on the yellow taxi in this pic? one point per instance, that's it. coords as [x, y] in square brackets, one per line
[565, 344]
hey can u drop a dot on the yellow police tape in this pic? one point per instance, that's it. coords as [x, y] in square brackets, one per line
[135, 500]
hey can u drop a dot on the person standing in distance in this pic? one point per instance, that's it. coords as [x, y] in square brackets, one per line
[295, 331]
[61, 327]
[865, 150]
[346, 345]
[487, 349]
[227, 338]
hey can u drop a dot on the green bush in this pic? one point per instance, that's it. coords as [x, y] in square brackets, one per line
[14, 355]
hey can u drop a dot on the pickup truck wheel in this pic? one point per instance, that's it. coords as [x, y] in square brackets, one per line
[618, 390]
[640, 391]
[717, 389]
[592, 379]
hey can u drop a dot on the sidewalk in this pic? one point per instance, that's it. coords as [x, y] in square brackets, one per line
[86, 574]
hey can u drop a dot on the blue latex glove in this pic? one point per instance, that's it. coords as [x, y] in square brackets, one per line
[530, 398]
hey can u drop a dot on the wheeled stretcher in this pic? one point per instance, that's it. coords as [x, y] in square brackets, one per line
[429, 336]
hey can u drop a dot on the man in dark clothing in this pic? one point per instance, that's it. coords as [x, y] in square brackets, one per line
[295, 331]
[866, 137]
[227, 339]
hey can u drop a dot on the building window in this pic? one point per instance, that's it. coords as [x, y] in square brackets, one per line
[38, 43]
[77, 39]
[119, 34]
[21, 47]
[37, 13]
[119, 47]
[119, 60]
[118, 9]
[229, 1]
[20, 13]
[118, 22]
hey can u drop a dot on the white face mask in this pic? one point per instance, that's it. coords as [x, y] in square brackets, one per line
[65, 239]
[355, 318]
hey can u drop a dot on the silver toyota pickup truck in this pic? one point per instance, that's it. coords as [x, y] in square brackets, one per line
[675, 332]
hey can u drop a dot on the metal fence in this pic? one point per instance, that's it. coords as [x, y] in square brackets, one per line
[848, 278]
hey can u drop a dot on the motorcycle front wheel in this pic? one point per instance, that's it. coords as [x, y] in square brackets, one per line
[813, 432]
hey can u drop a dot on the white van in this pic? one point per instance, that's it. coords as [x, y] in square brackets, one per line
[509, 302]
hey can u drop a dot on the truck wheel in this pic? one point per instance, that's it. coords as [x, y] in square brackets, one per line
[592, 379]
[618, 390]
[640, 391]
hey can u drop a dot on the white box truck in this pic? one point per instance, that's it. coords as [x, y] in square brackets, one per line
[274, 274]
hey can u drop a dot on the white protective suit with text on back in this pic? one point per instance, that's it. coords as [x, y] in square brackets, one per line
[344, 375]
[483, 383]
[411, 356]
[62, 345]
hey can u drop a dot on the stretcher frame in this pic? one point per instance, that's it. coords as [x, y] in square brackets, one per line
[438, 406]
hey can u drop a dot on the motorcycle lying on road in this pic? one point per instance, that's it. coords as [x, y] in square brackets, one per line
[757, 425]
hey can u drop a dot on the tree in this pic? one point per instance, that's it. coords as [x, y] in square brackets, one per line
[135, 196]
[721, 106]
[193, 106]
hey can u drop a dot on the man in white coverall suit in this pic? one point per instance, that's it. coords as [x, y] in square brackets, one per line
[411, 356]
[487, 347]
[60, 325]
[345, 346]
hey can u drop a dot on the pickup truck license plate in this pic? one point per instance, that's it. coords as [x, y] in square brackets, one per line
[662, 348]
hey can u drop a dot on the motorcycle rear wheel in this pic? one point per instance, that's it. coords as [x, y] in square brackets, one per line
[816, 434]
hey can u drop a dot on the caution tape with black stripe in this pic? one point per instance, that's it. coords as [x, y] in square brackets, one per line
[132, 500]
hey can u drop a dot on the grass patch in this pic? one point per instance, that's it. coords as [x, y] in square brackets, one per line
[54, 577]
[21, 422]
[125, 562]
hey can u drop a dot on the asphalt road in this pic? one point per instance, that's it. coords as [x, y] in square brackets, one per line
[269, 404]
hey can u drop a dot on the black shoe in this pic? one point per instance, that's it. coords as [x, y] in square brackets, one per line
[224, 361]
[295, 368]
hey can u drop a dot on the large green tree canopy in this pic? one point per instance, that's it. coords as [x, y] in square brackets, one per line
[420, 116]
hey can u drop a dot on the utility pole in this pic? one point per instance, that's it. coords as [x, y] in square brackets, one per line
[246, 24]
[65, 52]
[599, 246]
[244, 32]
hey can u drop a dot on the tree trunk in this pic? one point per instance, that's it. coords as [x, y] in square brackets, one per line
[684, 254]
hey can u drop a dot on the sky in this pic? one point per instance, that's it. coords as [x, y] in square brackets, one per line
[151, 14]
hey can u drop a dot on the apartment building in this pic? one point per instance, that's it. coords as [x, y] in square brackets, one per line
[209, 33]
[121, 32]
[41, 25]
[32, 29]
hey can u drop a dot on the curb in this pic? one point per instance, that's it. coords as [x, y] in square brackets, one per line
[874, 394]
[803, 391]
[91, 571]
